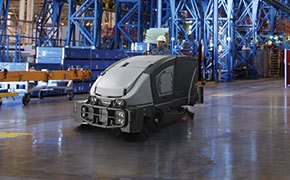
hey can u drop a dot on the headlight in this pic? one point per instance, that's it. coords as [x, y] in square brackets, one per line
[84, 109]
[120, 103]
[83, 115]
[93, 100]
[120, 114]
[120, 121]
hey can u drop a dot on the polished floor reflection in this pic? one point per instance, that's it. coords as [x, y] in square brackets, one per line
[240, 132]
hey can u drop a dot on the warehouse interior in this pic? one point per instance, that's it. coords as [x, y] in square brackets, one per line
[53, 51]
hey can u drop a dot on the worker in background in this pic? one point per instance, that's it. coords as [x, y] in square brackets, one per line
[161, 49]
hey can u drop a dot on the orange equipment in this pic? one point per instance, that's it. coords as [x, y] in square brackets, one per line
[14, 76]
[17, 76]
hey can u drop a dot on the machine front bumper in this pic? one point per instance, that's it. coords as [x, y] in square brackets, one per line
[128, 120]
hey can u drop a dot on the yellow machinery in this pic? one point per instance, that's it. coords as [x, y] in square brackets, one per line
[17, 76]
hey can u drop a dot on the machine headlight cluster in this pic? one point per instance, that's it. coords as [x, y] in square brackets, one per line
[120, 117]
[121, 114]
[93, 100]
[84, 112]
[120, 121]
[120, 103]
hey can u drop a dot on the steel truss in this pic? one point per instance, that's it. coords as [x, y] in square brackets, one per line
[129, 23]
[185, 27]
[218, 40]
[85, 19]
[266, 23]
[246, 37]
[4, 7]
[48, 23]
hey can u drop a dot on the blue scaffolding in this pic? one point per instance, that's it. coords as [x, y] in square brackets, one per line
[165, 13]
[218, 40]
[185, 27]
[86, 20]
[246, 28]
[129, 23]
[49, 22]
[17, 52]
[4, 7]
[233, 31]
[230, 31]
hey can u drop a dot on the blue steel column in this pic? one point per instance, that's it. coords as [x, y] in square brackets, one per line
[48, 23]
[208, 68]
[215, 40]
[129, 23]
[4, 8]
[71, 36]
[218, 40]
[165, 13]
[17, 52]
[185, 27]
[86, 18]
[246, 36]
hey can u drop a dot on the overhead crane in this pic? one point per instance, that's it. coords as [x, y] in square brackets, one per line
[32, 76]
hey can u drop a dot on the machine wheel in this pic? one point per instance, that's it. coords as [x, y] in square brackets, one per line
[70, 95]
[186, 114]
[40, 95]
[154, 123]
[26, 99]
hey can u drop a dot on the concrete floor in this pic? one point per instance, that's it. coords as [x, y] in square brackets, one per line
[242, 131]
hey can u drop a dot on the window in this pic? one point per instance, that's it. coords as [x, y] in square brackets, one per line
[164, 81]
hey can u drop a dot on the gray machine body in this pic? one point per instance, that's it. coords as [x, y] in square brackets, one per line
[135, 88]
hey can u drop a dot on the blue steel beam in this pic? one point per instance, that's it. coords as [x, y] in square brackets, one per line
[208, 70]
[48, 23]
[185, 27]
[129, 23]
[165, 13]
[4, 8]
[86, 19]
